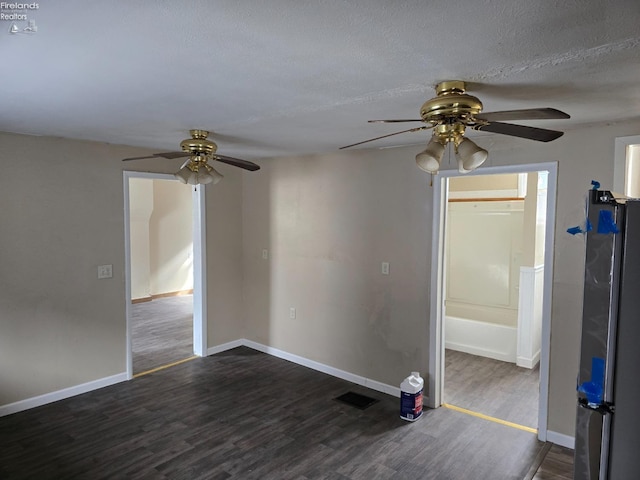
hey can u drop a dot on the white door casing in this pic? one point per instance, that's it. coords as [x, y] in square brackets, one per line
[436, 320]
[199, 262]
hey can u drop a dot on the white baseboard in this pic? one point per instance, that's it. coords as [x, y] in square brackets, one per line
[40, 400]
[320, 367]
[561, 439]
[305, 362]
[225, 346]
[528, 362]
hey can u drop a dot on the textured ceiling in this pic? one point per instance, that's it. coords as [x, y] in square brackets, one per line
[283, 77]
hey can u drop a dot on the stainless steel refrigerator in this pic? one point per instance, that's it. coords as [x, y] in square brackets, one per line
[607, 442]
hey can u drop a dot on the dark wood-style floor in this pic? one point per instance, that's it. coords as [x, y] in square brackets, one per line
[245, 414]
[491, 387]
[557, 465]
[161, 332]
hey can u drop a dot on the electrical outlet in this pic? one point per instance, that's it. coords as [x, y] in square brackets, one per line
[105, 271]
[265, 253]
[292, 312]
[385, 268]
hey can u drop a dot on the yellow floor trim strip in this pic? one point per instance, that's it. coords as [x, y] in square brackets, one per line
[491, 419]
[157, 369]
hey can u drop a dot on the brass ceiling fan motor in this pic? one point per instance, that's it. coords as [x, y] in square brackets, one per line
[451, 101]
[198, 144]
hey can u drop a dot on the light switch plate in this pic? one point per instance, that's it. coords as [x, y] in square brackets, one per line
[265, 253]
[385, 268]
[105, 271]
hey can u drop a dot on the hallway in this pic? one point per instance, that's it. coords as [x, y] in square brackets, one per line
[162, 332]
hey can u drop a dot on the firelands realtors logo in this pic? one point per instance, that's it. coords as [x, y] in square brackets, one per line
[20, 16]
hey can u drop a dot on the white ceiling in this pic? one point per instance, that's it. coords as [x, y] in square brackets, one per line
[284, 77]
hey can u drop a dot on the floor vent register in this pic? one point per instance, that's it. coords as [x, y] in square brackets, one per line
[356, 400]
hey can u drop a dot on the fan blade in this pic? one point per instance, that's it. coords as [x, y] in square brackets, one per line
[163, 155]
[417, 129]
[527, 114]
[137, 158]
[395, 121]
[172, 154]
[236, 162]
[522, 131]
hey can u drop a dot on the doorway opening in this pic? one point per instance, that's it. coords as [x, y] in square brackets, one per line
[164, 238]
[626, 166]
[490, 301]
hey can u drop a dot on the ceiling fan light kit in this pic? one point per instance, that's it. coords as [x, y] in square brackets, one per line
[196, 170]
[471, 155]
[429, 159]
[452, 111]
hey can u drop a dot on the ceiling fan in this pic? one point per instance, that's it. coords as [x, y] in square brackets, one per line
[451, 111]
[196, 170]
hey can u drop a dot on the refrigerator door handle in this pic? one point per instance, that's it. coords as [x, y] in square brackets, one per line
[604, 449]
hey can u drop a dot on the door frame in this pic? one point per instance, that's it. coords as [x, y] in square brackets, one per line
[199, 261]
[436, 324]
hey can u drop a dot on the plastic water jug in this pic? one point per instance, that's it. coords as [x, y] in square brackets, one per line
[411, 397]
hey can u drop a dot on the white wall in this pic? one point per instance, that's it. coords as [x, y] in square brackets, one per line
[161, 237]
[224, 233]
[171, 237]
[60, 325]
[484, 255]
[328, 223]
[530, 315]
[140, 208]
[62, 215]
[503, 185]
[531, 285]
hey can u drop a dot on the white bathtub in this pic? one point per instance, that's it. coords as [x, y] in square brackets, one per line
[481, 338]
